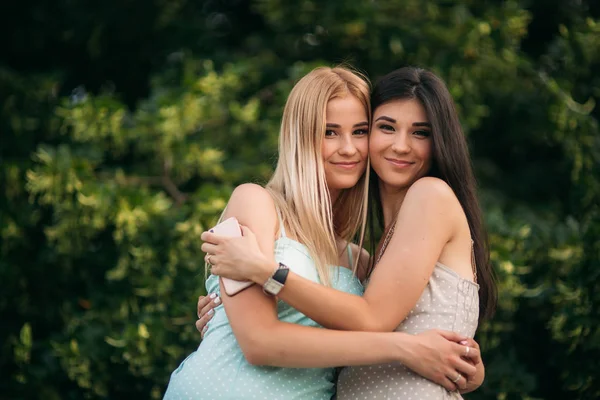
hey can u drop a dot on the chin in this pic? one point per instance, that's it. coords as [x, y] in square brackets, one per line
[343, 184]
[396, 181]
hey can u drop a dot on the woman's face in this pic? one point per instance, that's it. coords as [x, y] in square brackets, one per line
[345, 147]
[400, 143]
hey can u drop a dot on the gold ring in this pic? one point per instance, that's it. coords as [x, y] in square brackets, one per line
[467, 352]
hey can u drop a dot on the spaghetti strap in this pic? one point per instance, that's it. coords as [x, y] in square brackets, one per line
[473, 263]
[281, 226]
[350, 260]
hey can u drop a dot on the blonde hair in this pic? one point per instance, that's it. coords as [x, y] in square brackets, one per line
[298, 185]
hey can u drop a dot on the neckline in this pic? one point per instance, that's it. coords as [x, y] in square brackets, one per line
[304, 249]
[455, 274]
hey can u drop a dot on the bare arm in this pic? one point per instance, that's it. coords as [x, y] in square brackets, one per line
[423, 228]
[265, 340]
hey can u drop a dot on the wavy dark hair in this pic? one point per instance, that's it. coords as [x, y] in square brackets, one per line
[451, 162]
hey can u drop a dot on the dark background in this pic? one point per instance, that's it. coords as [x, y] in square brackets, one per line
[124, 126]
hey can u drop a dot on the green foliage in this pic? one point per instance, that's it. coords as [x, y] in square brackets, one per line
[105, 193]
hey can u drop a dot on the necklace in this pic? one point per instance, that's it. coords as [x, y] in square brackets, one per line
[386, 241]
[390, 233]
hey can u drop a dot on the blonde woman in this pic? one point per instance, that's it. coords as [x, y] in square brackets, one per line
[306, 215]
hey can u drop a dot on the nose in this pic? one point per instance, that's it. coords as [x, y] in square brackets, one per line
[401, 143]
[347, 147]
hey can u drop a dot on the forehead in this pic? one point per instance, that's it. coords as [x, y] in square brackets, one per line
[345, 108]
[402, 110]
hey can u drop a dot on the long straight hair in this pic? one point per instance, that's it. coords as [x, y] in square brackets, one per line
[450, 162]
[298, 185]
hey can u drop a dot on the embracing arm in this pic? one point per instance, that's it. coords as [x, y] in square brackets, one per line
[424, 225]
[264, 339]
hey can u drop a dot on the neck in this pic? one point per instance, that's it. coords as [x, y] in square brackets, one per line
[333, 195]
[391, 201]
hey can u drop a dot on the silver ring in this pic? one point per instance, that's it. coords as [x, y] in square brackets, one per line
[467, 352]
[457, 378]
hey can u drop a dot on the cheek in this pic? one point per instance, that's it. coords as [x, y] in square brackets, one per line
[326, 150]
[363, 147]
[427, 153]
[374, 144]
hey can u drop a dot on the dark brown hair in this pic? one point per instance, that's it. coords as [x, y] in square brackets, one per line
[451, 163]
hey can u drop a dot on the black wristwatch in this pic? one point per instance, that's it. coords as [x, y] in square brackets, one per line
[275, 283]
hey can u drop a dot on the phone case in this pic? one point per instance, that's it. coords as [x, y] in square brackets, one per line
[231, 227]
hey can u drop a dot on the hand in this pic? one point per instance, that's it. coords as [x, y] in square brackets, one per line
[238, 258]
[438, 356]
[206, 305]
[473, 382]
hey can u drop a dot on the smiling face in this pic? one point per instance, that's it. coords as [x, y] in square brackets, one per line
[345, 146]
[400, 143]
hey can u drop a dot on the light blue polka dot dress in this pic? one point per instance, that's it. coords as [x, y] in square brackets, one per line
[217, 370]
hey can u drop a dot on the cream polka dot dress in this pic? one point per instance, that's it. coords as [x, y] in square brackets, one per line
[217, 370]
[449, 302]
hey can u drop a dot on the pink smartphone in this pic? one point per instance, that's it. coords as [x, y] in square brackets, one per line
[231, 227]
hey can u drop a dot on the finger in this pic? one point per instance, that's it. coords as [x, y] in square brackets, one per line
[202, 322]
[448, 384]
[473, 354]
[465, 368]
[214, 302]
[456, 378]
[214, 269]
[208, 248]
[203, 301]
[210, 237]
[469, 342]
[202, 328]
[462, 383]
[452, 336]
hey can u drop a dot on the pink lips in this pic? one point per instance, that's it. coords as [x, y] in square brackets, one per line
[399, 163]
[346, 165]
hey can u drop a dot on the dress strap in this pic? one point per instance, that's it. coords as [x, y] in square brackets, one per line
[281, 226]
[350, 260]
[473, 263]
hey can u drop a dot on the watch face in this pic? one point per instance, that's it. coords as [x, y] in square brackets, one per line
[272, 287]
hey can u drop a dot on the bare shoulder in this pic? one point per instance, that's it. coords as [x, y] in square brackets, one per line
[252, 202]
[251, 192]
[431, 188]
[431, 196]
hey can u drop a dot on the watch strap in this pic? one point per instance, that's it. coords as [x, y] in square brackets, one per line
[275, 283]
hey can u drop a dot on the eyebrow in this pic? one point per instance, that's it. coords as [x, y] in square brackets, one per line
[393, 121]
[328, 125]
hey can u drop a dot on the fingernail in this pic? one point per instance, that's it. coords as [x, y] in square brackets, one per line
[217, 300]
[210, 312]
[463, 342]
[213, 295]
[211, 231]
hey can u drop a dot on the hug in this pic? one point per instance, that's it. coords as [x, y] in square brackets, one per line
[388, 170]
